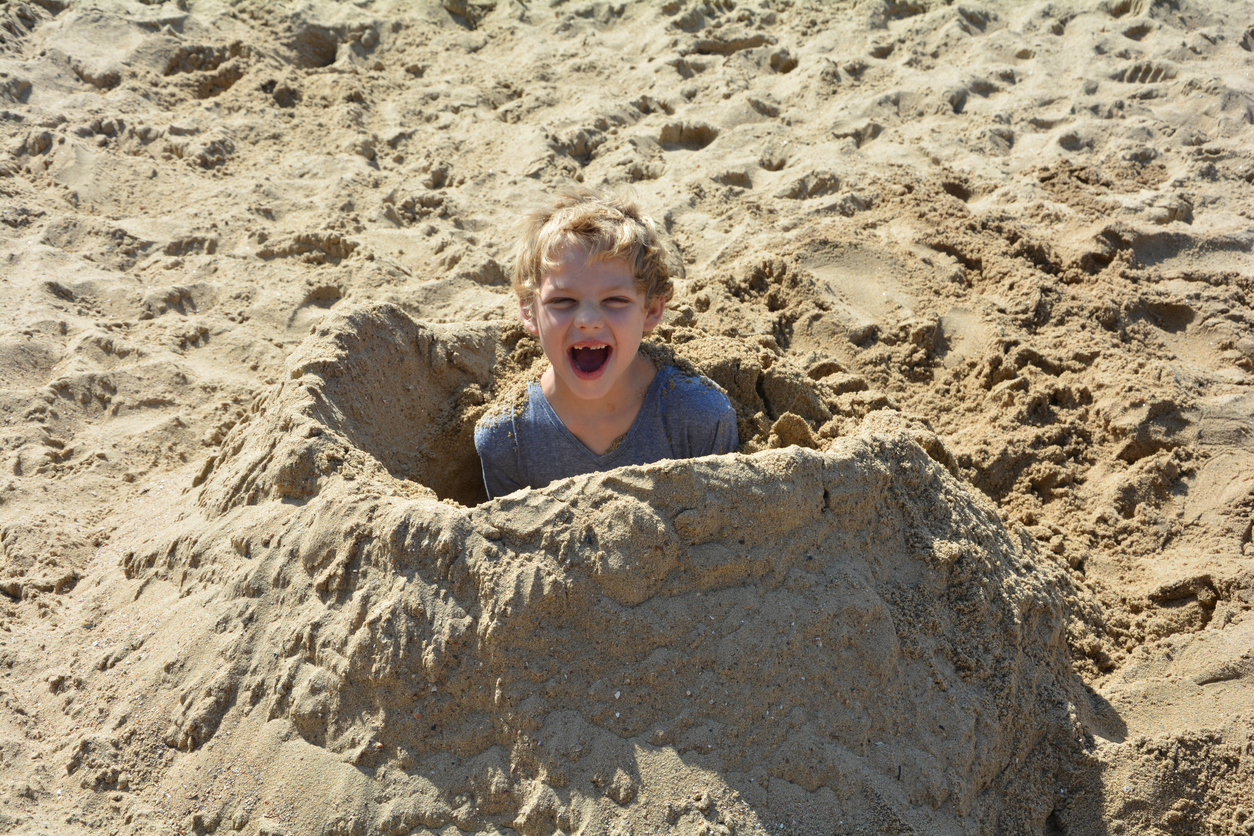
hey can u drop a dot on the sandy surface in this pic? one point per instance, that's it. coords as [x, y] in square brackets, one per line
[976, 277]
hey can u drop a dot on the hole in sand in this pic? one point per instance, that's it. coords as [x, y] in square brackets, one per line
[687, 135]
[1072, 141]
[323, 297]
[371, 397]
[408, 394]
[219, 83]
[957, 190]
[1172, 318]
[899, 10]
[1122, 7]
[315, 46]
[284, 95]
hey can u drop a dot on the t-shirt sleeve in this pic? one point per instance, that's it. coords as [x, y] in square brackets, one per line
[497, 446]
[725, 438]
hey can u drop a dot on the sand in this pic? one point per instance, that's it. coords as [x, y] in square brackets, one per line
[975, 276]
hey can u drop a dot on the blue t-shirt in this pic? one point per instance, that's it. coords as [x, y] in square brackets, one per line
[682, 417]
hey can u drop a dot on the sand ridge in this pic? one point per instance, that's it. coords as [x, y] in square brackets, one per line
[980, 272]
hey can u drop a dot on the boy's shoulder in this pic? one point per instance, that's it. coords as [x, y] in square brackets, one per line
[690, 388]
[696, 415]
[497, 429]
[507, 408]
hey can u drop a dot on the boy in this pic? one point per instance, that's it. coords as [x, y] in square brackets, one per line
[591, 281]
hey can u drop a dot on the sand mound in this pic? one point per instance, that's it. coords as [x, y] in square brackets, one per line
[814, 638]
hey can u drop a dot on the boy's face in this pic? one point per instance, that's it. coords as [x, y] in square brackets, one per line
[590, 318]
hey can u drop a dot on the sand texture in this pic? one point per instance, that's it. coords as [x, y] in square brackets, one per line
[976, 277]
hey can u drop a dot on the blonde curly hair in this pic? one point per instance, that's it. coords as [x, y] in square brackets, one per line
[605, 226]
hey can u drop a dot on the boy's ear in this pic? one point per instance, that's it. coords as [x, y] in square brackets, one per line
[653, 311]
[527, 311]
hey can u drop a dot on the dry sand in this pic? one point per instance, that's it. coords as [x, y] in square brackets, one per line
[976, 277]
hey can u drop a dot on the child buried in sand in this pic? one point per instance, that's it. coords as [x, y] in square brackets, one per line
[591, 282]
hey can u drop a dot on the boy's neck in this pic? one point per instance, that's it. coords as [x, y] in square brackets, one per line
[600, 423]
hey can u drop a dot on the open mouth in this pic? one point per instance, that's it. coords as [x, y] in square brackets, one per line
[589, 359]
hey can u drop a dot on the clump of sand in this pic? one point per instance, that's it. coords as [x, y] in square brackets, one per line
[976, 278]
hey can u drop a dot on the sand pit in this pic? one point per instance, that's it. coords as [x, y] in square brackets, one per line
[975, 276]
[848, 636]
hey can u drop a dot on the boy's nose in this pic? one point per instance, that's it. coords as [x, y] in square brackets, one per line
[588, 316]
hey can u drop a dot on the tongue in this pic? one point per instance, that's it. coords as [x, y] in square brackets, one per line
[590, 359]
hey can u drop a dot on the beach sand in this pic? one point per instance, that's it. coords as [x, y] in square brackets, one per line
[977, 278]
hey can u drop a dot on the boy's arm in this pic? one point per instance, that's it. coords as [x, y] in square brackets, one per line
[497, 481]
[497, 446]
